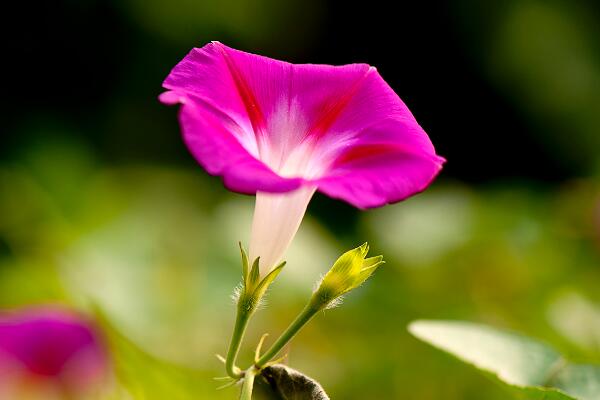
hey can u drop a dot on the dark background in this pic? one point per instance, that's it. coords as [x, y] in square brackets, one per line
[101, 206]
[96, 68]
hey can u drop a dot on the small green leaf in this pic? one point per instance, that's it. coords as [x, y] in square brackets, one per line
[528, 368]
[279, 382]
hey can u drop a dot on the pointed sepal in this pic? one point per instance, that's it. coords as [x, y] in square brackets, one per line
[254, 274]
[245, 266]
[350, 271]
[267, 280]
[253, 288]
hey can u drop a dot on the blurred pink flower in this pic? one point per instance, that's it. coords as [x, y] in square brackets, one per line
[284, 130]
[50, 354]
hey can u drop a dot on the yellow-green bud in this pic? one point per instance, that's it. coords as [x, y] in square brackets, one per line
[347, 273]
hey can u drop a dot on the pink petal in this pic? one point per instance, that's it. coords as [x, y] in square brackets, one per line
[385, 163]
[374, 175]
[267, 125]
[221, 153]
[384, 155]
[54, 346]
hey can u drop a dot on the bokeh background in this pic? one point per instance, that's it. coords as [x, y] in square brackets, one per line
[103, 209]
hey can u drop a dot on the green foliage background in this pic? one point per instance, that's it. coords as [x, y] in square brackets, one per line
[150, 246]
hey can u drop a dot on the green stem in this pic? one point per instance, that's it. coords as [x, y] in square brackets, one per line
[302, 319]
[241, 322]
[248, 383]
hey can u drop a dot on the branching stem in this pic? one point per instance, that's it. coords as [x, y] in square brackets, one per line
[302, 319]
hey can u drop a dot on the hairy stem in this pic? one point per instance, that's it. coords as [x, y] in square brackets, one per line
[241, 322]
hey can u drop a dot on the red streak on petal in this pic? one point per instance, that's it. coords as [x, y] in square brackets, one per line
[252, 108]
[332, 111]
[360, 153]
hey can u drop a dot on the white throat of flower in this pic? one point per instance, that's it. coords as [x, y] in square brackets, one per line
[277, 217]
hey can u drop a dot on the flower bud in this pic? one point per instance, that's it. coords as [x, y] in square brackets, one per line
[51, 354]
[253, 288]
[348, 272]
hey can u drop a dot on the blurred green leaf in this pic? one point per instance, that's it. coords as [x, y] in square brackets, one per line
[581, 381]
[530, 369]
[514, 359]
[143, 376]
[577, 319]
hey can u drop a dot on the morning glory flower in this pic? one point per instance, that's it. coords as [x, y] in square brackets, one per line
[283, 131]
[50, 354]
